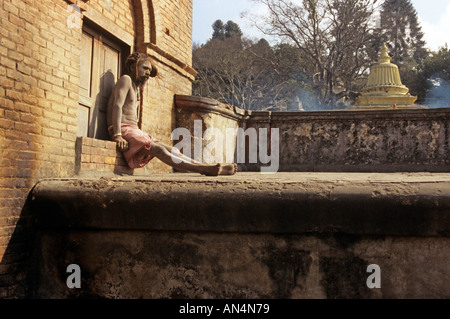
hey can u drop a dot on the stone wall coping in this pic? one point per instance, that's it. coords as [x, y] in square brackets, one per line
[204, 104]
[363, 114]
[208, 105]
[365, 204]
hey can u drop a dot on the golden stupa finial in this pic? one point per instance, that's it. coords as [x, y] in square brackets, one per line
[384, 55]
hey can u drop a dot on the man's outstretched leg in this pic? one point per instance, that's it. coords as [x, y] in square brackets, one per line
[164, 153]
[176, 152]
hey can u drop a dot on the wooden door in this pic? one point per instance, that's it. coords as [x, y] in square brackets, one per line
[100, 69]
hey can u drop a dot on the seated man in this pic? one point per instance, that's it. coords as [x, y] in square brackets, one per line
[139, 147]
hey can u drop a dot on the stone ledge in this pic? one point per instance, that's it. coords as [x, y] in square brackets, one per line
[404, 204]
[96, 157]
[206, 105]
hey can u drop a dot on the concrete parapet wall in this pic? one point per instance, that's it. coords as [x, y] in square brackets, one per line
[155, 265]
[371, 141]
[339, 141]
[302, 235]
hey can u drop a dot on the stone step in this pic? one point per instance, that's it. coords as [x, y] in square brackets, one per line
[413, 204]
[287, 235]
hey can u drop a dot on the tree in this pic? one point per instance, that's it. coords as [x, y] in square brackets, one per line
[232, 30]
[223, 31]
[247, 73]
[434, 78]
[223, 72]
[285, 77]
[218, 30]
[401, 31]
[332, 36]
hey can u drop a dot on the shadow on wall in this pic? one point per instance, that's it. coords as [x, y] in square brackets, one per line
[17, 264]
[98, 126]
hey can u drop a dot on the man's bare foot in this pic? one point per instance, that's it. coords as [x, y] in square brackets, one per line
[228, 169]
[212, 170]
[219, 169]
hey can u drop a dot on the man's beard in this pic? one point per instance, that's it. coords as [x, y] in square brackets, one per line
[139, 80]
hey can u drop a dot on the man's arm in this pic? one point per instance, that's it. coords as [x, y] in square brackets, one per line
[120, 95]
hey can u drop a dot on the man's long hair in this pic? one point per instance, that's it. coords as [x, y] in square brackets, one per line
[131, 68]
[132, 63]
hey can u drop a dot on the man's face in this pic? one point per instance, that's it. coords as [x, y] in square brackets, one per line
[144, 70]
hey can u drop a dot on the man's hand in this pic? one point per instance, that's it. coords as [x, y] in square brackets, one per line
[122, 144]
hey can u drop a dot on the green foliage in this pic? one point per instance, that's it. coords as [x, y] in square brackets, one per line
[401, 31]
[219, 30]
[437, 62]
[434, 78]
[223, 31]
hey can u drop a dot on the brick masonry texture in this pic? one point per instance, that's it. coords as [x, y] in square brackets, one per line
[99, 156]
[39, 84]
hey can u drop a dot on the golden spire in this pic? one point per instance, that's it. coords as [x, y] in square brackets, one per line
[384, 55]
[384, 87]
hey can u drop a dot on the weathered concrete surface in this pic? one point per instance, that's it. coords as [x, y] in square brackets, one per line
[356, 203]
[336, 141]
[139, 264]
[302, 235]
[364, 141]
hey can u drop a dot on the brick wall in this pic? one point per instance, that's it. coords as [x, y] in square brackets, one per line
[39, 84]
[39, 63]
[117, 11]
[97, 156]
[174, 32]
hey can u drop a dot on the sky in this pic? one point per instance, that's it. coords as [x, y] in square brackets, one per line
[434, 18]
